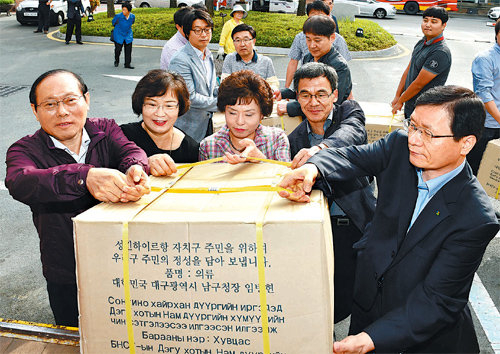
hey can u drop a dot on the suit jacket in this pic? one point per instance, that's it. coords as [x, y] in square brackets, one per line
[355, 196]
[75, 9]
[202, 94]
[411, 288]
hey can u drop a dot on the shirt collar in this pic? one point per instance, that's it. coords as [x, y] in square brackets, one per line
[181, 38]
[497, 47]
[433, 40]
[326, 125]
[435, 184]
[254, 58]
[199, 53]
[85, 143]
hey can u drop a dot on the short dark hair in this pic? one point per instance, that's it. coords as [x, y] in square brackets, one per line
[179, 14]
[190, 17]
[319, 26]
[313, 70]
[437, 12]
[318, 5]
[200, 6]
[81, 83]
[244, 27]
[241, 87]
[127, 5]
[465, 109]
[156, 83]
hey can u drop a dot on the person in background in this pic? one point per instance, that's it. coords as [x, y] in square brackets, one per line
[43, 16]
[160, 97]
[246, 58]
[320, 34]
[430, 62]
[486, 82]
[226, 45]
[245, 98]
[433, 221]
[177, 41]
[352, 203]
[330, 4]
[299, 48]
[194, 62]
[123, 35]
[66, 167]
[75, 13]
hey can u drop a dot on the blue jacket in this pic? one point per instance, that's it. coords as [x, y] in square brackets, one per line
[123, 28]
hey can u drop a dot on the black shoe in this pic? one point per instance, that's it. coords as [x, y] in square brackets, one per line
[37, 31]
[67, 42]
[129, 67]
[45, 32]
[79, 42]
[116, 63]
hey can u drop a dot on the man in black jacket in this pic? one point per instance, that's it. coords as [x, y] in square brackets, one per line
[75, 13]
[352, 202]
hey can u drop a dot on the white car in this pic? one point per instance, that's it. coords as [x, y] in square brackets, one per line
[284, 6]
[494, 13]
[164, 3]
[372, 8]
[27, 11]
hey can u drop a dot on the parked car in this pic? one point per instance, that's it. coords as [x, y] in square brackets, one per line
[494, 13]
[281, 6]
[164, 3]
[372, 8]
[27, 11]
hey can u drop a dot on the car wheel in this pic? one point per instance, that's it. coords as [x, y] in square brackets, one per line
[411, 8]
[145, 4]
[379, 13]
[182, 5]
[59, 20]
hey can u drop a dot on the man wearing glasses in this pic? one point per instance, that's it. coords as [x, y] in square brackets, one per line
[66, 167]
[246, 58]
[194, 62]
[433, 221]
[352, 203]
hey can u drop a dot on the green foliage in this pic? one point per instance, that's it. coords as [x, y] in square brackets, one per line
[6, 2]
[273, 30]
[375, 37]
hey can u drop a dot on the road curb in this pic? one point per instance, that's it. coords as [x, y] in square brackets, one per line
[158, 43]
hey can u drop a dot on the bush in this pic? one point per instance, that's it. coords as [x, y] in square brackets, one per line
[6, 2]
[273, 30]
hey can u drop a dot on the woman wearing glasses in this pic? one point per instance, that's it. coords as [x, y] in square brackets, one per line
[160, 97]
[245, 98]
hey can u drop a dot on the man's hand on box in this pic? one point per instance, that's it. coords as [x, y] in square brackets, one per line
[396, 105]
[303, 155]
[250, 150]
[281, 108]
[360, 343]
[138, 181]
[162, 165]
[300, 182]
[108, 185]
[277, 95]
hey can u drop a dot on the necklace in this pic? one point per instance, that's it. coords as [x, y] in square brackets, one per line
[171, 142]
[234, 147]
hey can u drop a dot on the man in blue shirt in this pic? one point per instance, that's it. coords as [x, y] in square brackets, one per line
[417, 258]
[486, 82]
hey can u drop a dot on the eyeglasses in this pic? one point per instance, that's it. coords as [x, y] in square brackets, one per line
[198, 31]
[154, 107]
[244, 41]
[68, 102]
[425, 133]
[320, 96]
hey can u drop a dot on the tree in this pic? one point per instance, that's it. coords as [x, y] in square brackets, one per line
[210, 6]
[301, 9]
[110, 6]
[173, 4]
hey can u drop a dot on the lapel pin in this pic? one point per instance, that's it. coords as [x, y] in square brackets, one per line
[437, 213]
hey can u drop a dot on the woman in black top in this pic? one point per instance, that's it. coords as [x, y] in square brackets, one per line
[160, 97]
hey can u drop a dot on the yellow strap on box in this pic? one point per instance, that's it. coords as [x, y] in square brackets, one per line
[126, 286]
[498, 191]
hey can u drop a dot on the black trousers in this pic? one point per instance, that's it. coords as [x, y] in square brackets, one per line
[128, 52]
[64, 303]
[476, 154]
[43, 16]
[74, 23]
[345, 234]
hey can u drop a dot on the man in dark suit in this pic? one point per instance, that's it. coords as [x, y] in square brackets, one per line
[43, 16]
[352, 203]
[75, 13]
[417, 258]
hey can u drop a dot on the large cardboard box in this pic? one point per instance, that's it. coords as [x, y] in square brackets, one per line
[379, 120]
[489, 169]
[194, 272]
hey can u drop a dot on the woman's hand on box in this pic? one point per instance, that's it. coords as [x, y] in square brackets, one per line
[162, 165]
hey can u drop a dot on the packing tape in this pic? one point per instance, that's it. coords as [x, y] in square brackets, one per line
[498, 191]
[259, 235]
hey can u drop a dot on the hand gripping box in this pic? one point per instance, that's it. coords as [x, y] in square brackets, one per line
[489, 169]
[181, 271]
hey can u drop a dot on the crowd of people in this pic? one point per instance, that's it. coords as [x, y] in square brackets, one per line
[404, 259]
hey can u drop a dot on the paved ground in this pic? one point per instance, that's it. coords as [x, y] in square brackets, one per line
[24, 55]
